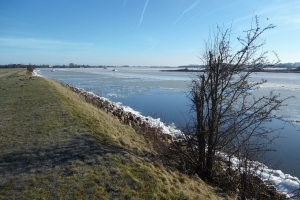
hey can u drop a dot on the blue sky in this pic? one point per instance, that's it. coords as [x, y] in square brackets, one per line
[136, 32]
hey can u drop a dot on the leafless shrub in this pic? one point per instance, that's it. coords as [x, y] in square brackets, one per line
[228, 117]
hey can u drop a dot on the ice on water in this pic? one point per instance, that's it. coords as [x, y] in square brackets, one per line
[133, 81]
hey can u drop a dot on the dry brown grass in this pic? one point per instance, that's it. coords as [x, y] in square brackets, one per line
[99, 121]
[56, 146]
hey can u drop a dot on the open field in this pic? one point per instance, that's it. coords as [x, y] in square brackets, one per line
[56, 146]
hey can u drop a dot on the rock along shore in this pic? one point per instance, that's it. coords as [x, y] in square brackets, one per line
[139, 124]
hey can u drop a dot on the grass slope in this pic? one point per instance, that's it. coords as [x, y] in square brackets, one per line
[56, 146]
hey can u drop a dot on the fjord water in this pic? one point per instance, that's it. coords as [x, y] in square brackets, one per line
[164, 95]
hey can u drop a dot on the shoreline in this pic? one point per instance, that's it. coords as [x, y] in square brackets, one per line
[59, 146]
[203, 70]
[127, 115]
[284, 183]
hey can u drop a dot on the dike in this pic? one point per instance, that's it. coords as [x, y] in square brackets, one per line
[55, 145]
[127, 118]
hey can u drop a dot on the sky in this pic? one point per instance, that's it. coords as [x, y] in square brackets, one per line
[137, 32]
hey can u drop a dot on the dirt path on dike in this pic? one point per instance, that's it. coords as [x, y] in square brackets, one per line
[41, 144]
[54, 145]
[8, 73]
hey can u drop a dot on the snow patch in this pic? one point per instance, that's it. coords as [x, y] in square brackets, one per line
[284, 183]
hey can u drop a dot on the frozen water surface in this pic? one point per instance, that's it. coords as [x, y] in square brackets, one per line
[150, 92]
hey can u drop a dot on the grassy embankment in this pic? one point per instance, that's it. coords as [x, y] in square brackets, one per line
[56, 146]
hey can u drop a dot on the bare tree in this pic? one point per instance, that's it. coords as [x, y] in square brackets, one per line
[228, 117]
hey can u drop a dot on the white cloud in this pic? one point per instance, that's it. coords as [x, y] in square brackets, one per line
[153, 44]
[145, 7]
[295, 20]
[284, 12]
[124, 2]
[32, 43]
[145, 43]
[188, 9]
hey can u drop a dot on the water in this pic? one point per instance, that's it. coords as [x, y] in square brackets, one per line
[164, 95]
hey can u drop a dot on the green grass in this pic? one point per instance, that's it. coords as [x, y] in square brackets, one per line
[5, 70]
[56, 146]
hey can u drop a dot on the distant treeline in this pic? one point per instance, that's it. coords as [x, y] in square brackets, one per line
[288, 65]
[280, 65]
[50, 66]
[295, 65]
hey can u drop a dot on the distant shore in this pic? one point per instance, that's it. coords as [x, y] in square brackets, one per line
[265, 70]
